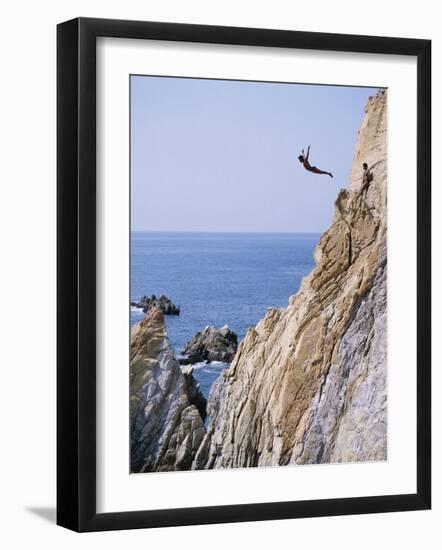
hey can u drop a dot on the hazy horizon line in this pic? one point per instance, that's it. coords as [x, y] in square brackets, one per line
[228, 232]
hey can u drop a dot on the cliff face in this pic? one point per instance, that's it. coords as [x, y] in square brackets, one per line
[308, 383]
[166, 426]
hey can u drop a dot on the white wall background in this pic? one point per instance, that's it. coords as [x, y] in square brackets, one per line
[27, 275]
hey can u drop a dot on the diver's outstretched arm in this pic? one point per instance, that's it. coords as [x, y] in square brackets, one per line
[308, 152]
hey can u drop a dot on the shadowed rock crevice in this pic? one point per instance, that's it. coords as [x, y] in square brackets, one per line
[194, 392]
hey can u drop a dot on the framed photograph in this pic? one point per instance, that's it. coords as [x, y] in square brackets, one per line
[243, 274]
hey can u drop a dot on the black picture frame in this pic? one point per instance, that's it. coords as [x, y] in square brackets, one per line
[76, 274]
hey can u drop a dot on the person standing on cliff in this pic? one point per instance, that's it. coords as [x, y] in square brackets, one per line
[367, 177]
[303, 158]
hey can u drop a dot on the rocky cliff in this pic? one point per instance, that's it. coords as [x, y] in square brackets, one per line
[308, 383]
[166, 425]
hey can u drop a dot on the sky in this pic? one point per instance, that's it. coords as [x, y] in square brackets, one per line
[218, 155]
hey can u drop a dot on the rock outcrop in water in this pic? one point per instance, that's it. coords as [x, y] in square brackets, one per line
[211, 344]
[308, 383]
[162, 303]
[166, 425]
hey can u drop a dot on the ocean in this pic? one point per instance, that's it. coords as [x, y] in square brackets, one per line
[218, 279]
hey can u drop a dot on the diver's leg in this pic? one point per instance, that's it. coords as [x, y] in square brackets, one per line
[318, 171]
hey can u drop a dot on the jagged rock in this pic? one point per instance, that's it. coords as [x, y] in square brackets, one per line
[212, 344]
[166, 425]
[163, 303]
[308, 383]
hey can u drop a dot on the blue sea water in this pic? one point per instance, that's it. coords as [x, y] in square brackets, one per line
[218, 279]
